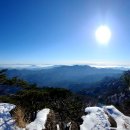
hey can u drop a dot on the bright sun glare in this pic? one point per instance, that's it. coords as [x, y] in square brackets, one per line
[103, 35]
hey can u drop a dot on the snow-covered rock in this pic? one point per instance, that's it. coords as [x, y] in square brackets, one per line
[40, 121]
[96, 119]
[123, 122]
[6, 122]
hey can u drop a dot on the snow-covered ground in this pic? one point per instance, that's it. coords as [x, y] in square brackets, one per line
[96, 118]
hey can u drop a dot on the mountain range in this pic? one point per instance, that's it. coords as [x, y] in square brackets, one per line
[64, 75]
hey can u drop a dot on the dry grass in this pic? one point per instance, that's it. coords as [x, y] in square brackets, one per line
[19, 116]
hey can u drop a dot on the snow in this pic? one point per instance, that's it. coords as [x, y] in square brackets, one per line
[96, 118]
[40, 121]
[123, 122]
[57, 126]
[6, 122]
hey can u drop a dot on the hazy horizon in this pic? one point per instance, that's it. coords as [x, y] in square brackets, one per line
[99, 65]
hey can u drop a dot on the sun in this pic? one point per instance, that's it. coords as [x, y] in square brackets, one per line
[103, 34]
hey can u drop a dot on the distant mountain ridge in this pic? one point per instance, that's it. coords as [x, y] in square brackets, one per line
[24, 66]
[44, 66]
[64, 75]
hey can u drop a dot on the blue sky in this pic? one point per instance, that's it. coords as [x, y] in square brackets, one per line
[63, 31]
